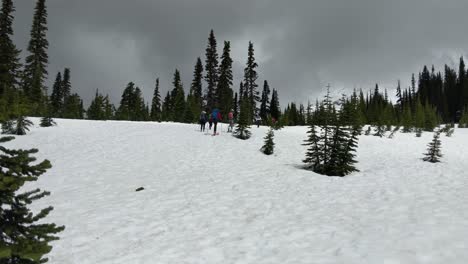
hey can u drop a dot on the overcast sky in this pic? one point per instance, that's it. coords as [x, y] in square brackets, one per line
[301, 45]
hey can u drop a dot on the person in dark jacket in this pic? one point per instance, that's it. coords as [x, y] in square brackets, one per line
[202, 121]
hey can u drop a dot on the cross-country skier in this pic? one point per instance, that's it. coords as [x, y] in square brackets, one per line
[202, 121]
[216, 116]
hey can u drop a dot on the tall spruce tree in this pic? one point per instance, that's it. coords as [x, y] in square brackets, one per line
[212, 71]
[24, 237]
[156, 104]
[197, 86]
[264, 105]
[35, 70]
[224, 91]
[178, 97]
[9, 54]
[250, 82]
[56, 98]
[433, 151]
[274, 105]
[313, 159]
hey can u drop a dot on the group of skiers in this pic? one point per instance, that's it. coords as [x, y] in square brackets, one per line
[215, 116]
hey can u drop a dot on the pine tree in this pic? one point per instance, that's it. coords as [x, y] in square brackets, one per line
[156, 104]
[274, 105]
[235, 106]
[433, 151]
[25, 238]
[73, 107]
[47, 121]
[56, 98]
[314, 151]
[9, 54]
[96, 110]
[179, 98]
[8, 127]
[66, 91]
[212, 71]
[250, 85]
[463, 123]
[22, 125]
[196, 89]
[35, 70]
[264, 105]
[269, 146]
[242, 129]
[224, 91]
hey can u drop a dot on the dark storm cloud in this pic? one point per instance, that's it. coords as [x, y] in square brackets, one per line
[300, 45]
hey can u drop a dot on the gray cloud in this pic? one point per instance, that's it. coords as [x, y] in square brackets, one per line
[301, 45]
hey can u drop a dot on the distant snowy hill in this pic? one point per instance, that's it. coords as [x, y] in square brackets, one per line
[220, 200]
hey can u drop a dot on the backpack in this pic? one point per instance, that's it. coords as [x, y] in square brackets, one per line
[215, 115]
[230, 116]
[203, 117]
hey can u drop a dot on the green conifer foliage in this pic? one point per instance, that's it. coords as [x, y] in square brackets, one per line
[22, 125]
[269, 146]
[24, 237]
[463, 123]
[433, 151]
[242, 129]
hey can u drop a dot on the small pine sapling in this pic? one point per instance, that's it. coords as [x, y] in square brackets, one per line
[433, 150]
[47, 121]
[8, 127]
[22, 125]
[269, 146]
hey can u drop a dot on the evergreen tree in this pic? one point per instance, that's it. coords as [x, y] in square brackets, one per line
[235, 106]
[212, 71]
[264, 105]
[9, 54]
[56, 98]
[463, 123]
[250, 85]
[274, 105]
[156, 104]
[332, 152]
[179, 98]
[22, 125]
[196, 88]
[433, 151]
[25, 238]
[407, 119]
[224, 91]
[166, 112]
[314, 151]
[73, 107]
[243, 125]
[47, 121]
[419, 116]
[66, 84]
[8, 127]
[35, 70]
[97, 110]
[269, 146]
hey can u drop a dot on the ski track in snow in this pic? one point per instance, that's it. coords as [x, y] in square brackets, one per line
[220, 200]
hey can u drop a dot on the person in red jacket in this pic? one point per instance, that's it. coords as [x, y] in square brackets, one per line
[231, 120]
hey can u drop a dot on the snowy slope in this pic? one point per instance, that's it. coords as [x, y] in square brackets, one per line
[219, 200]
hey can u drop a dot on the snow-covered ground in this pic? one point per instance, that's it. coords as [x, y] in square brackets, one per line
[219, 200]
